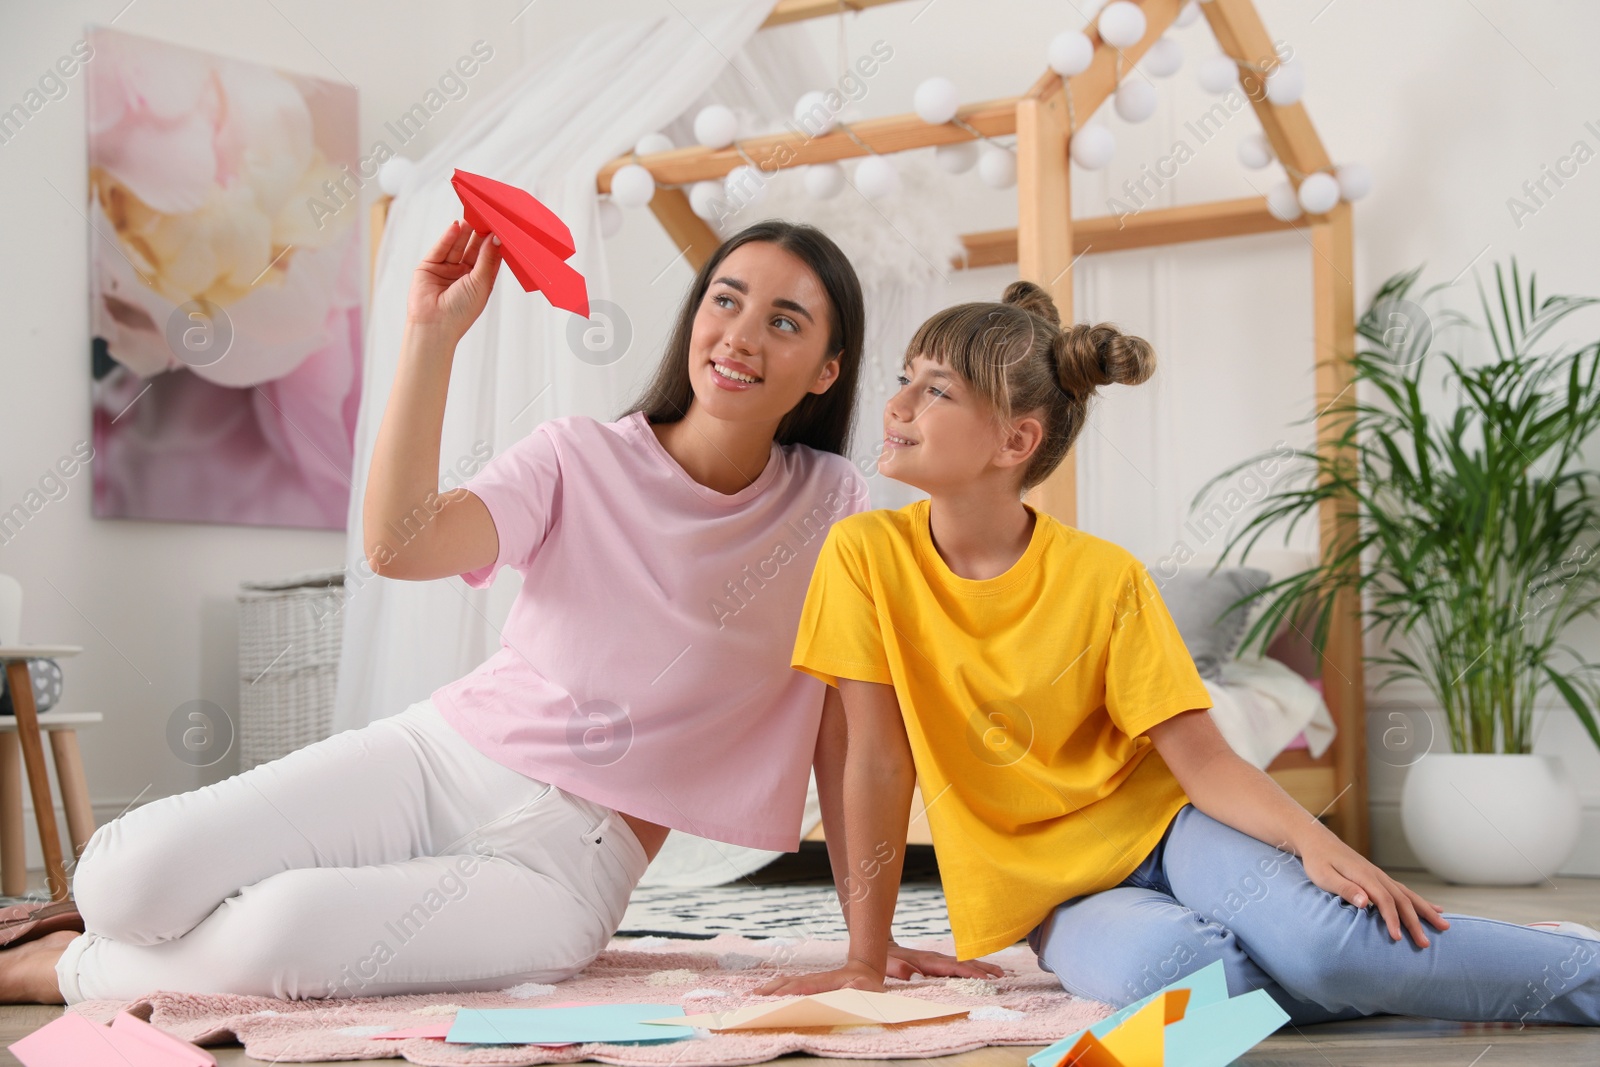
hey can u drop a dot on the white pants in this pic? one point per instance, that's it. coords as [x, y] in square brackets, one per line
[391, 859]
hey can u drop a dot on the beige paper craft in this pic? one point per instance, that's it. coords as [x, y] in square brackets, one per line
[840, 1007]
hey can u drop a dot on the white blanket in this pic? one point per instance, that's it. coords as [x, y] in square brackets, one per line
[1260, 705]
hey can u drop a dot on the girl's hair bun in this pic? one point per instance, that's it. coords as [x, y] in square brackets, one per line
[1089, 356]
[1031, 297]
[1086, 356]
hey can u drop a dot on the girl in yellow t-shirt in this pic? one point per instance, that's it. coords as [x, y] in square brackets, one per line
[1030, 678]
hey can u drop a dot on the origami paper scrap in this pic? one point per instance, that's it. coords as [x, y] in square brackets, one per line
[70, 1040]
[130, 1031]
[1190, 1023]
[439, 1029]
[533, 240]
[610, 1023]
[840, 1007]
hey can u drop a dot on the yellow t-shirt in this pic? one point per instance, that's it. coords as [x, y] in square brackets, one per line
[1024, 697]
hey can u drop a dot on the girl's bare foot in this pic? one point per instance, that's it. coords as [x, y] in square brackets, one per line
[28, 972]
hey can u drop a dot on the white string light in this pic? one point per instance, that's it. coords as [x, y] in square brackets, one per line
[936, 101]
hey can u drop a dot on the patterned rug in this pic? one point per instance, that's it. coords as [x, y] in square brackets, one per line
[803, 910]
[1026, 1007]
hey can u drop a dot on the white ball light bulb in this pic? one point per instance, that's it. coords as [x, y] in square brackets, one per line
[876, 178]
[956, 158]
[1136, 100]
[1218, 74]
[652, 143]
[1092, 146]
[1286, 84]
[705, 199]
[394, 172]
[1187, 14]
[610, 217]
[1282, 203]
[1163, 59]
[1070, 53]
[1319, 192]
[1121, 24]
[632, 186]
[997, 168]
[1255, 151]
[824, 180]
[716, 126]
[813, 114]
[745, 186]
[1355, 180]
[936, 101]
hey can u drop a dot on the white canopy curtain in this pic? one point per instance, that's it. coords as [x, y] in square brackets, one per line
[549, 130]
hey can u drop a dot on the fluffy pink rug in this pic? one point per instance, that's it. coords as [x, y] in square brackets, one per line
[1026, 1007]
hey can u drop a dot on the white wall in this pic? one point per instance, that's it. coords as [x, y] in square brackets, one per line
[1453, 106]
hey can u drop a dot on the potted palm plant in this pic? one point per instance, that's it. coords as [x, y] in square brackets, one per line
[1473, 552]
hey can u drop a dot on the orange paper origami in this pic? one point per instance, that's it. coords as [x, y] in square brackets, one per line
[533, 240]
[1190, 1023]
[1139, 1042]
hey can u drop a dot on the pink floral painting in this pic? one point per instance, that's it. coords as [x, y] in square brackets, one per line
[225, 293]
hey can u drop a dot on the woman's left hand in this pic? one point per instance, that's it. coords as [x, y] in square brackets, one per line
[905, 962]
[1335, 866]
[853, 975]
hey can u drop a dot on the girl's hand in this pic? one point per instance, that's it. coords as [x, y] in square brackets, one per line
[451, 285]
[853, 975]
[1335, 866]
[905, 962]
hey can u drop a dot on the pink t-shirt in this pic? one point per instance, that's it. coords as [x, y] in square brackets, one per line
[645, 662]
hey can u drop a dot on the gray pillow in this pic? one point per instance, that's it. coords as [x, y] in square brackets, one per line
[1197, 603]
[46, 677]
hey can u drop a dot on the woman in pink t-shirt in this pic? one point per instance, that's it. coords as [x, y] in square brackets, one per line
[491, 834]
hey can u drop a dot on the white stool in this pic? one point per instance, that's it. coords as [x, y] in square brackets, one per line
[62, 730]
[22, 731]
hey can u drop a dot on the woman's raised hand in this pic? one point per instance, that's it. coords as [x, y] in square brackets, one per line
[451, 285]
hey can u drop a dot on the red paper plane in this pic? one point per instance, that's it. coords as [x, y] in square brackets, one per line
[533, 240]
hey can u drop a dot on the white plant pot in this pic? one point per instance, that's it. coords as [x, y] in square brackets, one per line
[1490, 819]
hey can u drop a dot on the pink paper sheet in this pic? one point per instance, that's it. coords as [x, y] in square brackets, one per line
[74, 1041]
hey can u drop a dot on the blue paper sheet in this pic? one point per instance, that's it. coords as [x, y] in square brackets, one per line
[611, 1023]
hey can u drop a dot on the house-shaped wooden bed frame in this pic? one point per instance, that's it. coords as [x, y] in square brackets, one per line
[1047, 242]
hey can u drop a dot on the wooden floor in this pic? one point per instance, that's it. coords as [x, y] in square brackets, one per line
[1378, 1042]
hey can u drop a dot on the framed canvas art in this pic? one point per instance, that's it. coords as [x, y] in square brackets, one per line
[225, 287]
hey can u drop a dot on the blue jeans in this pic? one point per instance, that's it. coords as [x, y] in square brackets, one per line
[1207, 892]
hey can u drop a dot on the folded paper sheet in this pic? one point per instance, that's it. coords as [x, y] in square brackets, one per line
[71, 1040]
[533, 240]
[611, 1023]
[841, 1007]
[1190, 1023]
